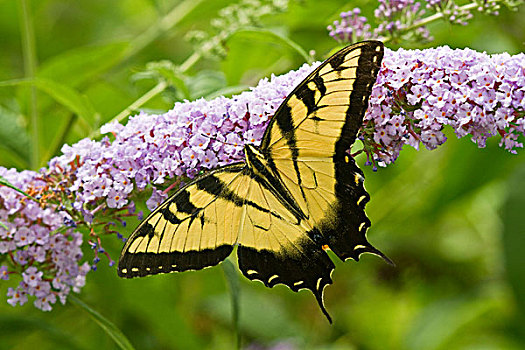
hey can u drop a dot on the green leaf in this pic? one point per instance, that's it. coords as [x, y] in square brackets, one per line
[230, 271]
[271, 36]
[165, 71]
[4, 182]
[227, 91]
[441, 322]
[249, 60]
[69, 98]
[205, 83]
[16, 330]
[66, 96]
[108, 327]
[76, 66]
[12, 135]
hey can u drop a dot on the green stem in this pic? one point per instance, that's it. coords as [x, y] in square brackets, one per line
[190, 61]
[232, 278]
[29, 54]
[163, 25]
[4, 182]
[157, 89]
[436, 16]
[430, 19]
[109, 327]
[166, 23]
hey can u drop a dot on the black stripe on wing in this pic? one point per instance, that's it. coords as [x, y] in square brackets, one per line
[366, 74]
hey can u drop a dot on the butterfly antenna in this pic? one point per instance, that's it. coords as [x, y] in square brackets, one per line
[217, 140]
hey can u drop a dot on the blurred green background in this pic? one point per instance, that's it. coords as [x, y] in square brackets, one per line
[451, 219]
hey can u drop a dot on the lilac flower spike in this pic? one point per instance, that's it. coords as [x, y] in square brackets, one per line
[351, 28]
[46, 262]
[418, 92]
[396, 15]
[94, 184]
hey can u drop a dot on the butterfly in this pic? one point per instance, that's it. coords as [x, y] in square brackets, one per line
[297, 195]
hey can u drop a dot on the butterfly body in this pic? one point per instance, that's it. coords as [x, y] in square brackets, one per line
[297, 194]
[259, 167]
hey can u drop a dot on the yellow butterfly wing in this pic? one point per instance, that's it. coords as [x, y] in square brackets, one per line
[195, 228]
[307, 144]
[274, 247]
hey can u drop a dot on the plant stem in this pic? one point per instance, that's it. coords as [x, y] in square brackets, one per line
[29, 54]
[190, 61]
[157, 89]
[437, 16]
[430, 19]
[109, 327]
[163, 25]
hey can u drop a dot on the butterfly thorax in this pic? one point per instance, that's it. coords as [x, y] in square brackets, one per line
[261, 169]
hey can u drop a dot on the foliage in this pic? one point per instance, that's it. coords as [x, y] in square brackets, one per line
[435, 213]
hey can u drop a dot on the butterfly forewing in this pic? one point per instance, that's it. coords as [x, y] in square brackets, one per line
[308, 141]
[195, 228]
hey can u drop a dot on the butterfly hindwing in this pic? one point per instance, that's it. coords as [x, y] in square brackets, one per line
[274, 246]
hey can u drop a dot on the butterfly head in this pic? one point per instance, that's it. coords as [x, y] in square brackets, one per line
[255, 159]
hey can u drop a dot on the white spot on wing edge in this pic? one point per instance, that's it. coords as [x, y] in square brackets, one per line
[361, 226]
[318, 283]
[124, 270]
[362, 198]
[272, 278]
[251, 272]
[298, 283]
[358, 178]
[359, 246]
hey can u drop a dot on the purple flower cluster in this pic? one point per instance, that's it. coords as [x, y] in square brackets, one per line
[351, 28]
[418, 92]
[403, 21]
[395, 16]
[453, 12]
[47, 261]
[95, 183]
[150, 149]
